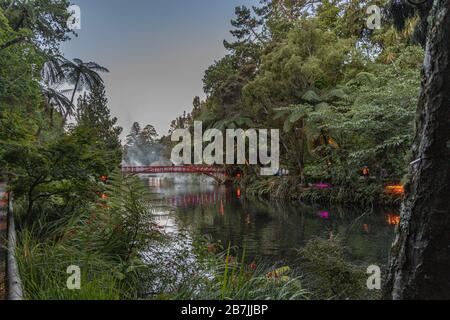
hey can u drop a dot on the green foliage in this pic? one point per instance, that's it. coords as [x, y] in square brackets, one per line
[328, 275]
[103, 238]
[94, 115]
[224, 276]
[142, 147]
[43, 269]
[344, 97]
[45, 19]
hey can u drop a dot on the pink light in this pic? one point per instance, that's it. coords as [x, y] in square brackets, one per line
[321, 185]
[324, 214]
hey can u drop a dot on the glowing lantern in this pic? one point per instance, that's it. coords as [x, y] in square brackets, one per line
[238, 193]
[324, 214]
[366, 227]
[398, 190]
[222, 208]
[393, 219]
[365, 172]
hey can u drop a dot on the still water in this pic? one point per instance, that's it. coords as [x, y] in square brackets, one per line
[270, 231]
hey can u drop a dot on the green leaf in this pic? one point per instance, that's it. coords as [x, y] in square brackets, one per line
[336, 95]
[297, 115]
[287, 126]
[312, 97]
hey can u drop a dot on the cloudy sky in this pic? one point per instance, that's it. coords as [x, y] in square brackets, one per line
[156, 50]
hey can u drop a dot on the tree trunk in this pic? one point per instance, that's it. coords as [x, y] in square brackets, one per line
[420, 257]
[71, 100]
[76, 88]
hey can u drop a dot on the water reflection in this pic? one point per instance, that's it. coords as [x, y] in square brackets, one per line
[273, 230]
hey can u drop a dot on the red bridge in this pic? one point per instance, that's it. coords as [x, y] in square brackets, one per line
[218, 173]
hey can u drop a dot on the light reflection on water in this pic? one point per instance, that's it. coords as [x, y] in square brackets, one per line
[270, 230]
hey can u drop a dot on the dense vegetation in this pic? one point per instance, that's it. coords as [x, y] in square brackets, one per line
[53, 168]
[343, 96]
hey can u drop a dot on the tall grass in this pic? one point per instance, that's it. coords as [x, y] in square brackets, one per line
[226, 277]
[102, 238]
[43, 268]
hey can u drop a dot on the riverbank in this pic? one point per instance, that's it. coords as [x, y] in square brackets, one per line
[360, 193]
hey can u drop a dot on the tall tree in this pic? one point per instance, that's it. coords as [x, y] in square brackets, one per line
[148, 135]
[94, 113]
[420, 262]
[83, 75]
[47, 19]
[132, 137]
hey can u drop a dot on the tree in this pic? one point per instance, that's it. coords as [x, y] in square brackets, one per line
[420, 260]
[61, 173]
[142, 145]
[47, 19]
[250, 36]
[148, 135]
[93, 113]
[132, 137]
[55, 100]
[83, 75]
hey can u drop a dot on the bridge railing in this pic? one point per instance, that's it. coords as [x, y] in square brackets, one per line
[173, 169]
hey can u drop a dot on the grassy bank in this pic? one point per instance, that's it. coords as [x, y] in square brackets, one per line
[290, 188]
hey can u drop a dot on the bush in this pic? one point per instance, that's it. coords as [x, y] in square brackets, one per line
[328, 275]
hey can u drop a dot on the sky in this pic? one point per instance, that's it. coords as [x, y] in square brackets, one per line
[156, 51]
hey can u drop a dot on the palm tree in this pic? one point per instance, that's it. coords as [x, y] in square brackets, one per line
[83, 75]
[56, 100]
[52, 76]
[52, 72]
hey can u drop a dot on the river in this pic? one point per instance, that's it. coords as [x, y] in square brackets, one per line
[269, 231]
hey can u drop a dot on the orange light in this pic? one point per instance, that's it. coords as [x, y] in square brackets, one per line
[238, 193]
[104, 178]
[104, 196]
[366, 227]
[252, 266]
[222, 208]
[395, 189]
[393, 219]
[365, 171]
